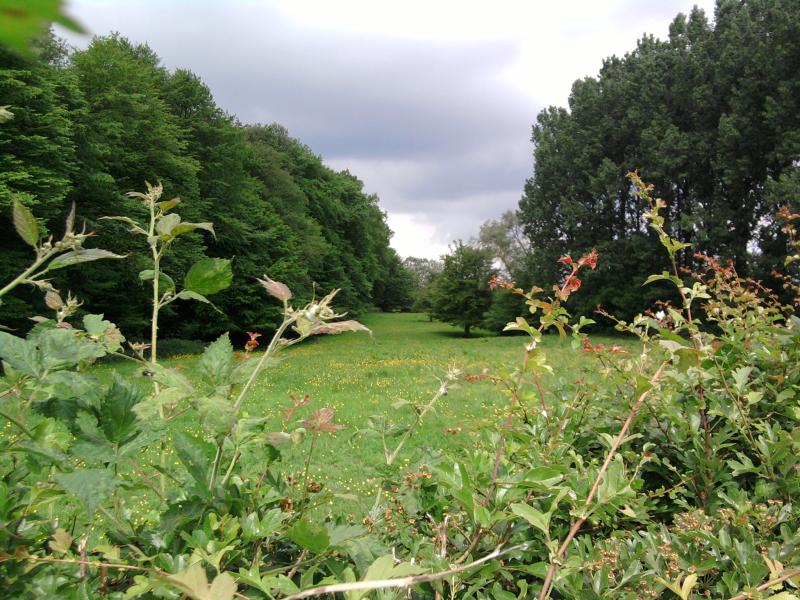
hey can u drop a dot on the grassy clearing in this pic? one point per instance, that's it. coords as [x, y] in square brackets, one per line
[360, 376]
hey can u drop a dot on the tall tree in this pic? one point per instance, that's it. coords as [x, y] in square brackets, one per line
[708, 116]
[461, 294]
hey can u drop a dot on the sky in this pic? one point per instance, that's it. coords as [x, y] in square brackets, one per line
[429, 102]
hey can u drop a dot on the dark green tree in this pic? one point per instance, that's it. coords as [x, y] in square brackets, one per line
[461, 295]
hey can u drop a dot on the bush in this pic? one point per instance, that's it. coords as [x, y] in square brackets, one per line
[670, 471]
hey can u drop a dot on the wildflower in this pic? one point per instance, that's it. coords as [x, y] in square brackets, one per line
[252, 343]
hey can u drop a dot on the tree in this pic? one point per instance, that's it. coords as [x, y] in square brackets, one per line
[461, 293]
[709, 116]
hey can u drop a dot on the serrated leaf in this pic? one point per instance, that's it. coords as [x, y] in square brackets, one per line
[216, 363]
[208, 276]
[75, 257]
[216, 414]
[194, 584]
[116, 416]
[20, 354]
[90, 486]
[25, 223]
[195, 455]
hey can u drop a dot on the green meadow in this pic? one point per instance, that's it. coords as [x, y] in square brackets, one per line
[362, 376]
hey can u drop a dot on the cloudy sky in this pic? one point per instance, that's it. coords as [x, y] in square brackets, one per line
[429, 102]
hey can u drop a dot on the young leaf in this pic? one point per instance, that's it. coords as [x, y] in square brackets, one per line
[216, 363]
[208, 276]
[165, 282]
[61, 541]
[25, 223]
[75, 257]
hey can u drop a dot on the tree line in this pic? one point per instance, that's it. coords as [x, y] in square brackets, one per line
[710, 116]
[91, 125]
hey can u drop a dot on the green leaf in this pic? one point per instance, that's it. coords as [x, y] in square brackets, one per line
[165, 282]
[187, 227]
[168, 205]
[217, 363]
[216, 414]
[23, 20]
[24, 222]
[383, 568]
[104, 332]
[75, 257]
[190, 295]
[208, 276]
[545, 477]
[196, 455]
[65, 348]
[309, 536]
[20, 354]
[117, 418]
[536, 518]
[90, 486]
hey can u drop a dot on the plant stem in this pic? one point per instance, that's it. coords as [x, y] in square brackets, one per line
[548, 580]
[22, 277]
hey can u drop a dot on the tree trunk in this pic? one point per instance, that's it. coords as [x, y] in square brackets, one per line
[467, 327]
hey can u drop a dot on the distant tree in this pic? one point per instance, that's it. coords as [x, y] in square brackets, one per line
[460, 295]
[505, 239]
[424, 272]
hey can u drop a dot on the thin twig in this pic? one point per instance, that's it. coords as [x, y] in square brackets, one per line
[400, 582]
[548, 580]
[769, 584]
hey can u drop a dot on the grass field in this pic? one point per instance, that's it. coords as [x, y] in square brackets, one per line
[360, 375]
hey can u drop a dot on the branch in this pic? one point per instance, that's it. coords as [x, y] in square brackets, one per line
[548, 580]
[769, 584]
[400, 582]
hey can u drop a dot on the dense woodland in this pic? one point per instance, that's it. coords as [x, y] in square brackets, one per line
[710, 116]
[91, 125]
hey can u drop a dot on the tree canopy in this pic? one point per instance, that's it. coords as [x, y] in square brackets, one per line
[710, 116]
[91, 125]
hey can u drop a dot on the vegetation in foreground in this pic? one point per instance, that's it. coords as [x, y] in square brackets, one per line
[673, 473]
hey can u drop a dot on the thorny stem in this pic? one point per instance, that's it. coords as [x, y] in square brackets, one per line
[501, 446]
[598, 480]
[276, 338]
[420, 415]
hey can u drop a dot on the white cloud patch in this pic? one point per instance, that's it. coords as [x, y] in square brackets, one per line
[429, 103]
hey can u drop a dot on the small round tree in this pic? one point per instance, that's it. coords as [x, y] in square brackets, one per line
[460, 294]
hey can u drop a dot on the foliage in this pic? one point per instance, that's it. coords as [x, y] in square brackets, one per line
[92, 124]
[673, 472]
[25, 20]
[460, 294]
[709, 116]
